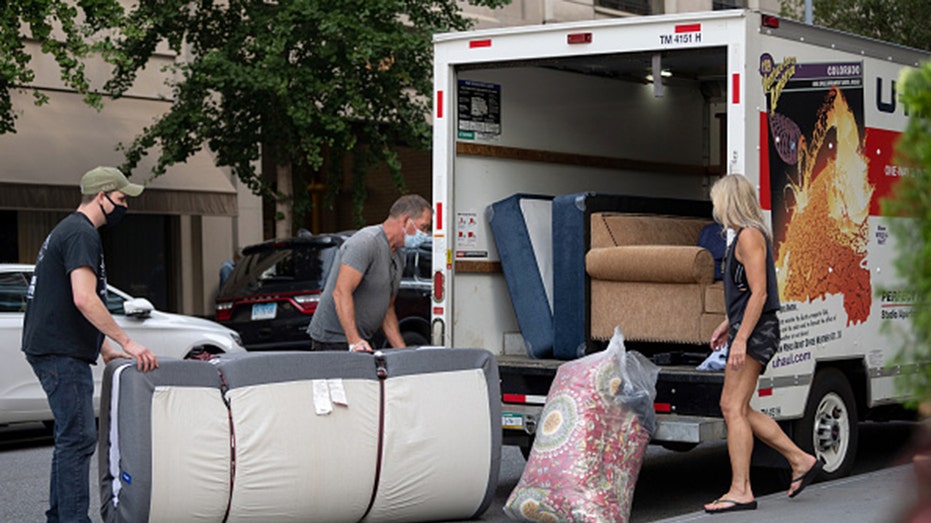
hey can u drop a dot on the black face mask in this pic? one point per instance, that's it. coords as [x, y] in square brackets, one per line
[116, 215]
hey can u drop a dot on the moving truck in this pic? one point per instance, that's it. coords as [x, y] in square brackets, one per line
[645, 114]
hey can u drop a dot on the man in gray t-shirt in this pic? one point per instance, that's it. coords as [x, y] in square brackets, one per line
[359, 297]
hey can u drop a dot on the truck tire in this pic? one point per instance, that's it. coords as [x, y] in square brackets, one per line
[415, 339]
[829, 428]
[525, 449]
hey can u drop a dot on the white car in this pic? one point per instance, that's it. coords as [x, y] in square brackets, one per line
[167, 335]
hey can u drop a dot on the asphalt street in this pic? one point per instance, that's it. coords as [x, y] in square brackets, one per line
[672, 485]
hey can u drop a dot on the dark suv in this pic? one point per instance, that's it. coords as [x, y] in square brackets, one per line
[413, 302]
[274, 289]
[273, 292]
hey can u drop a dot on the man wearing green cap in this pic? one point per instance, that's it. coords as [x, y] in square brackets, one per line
[66, 328]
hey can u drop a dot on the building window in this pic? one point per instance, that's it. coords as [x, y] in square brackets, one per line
[720, 5]
[637, 7]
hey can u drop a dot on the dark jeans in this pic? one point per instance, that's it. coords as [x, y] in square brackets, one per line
[69, 386]
[326, 345]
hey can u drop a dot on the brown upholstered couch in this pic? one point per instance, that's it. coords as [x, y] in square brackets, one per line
[649, 276]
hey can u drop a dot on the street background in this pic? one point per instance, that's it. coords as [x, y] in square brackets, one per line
[672, 485]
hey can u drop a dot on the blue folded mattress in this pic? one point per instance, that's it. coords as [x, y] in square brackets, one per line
[522, 228]
[404, 435]
[571, 215]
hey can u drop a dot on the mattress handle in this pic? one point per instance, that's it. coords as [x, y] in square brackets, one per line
[224, 389]
[381, 370]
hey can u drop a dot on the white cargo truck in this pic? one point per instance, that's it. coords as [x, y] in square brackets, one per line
[659, 107]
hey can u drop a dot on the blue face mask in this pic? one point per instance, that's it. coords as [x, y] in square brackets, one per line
[412, 241]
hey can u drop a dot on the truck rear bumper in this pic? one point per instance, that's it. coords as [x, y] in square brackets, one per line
[688, 429]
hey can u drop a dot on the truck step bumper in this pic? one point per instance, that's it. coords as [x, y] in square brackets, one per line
[688, 429]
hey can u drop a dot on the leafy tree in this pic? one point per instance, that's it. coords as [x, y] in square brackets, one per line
[62, 29]
[900, 21]
[912, 198]
[311, 81]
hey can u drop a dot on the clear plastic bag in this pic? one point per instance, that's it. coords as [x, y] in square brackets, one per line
[638, 374]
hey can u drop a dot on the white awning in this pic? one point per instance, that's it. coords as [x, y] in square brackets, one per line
[55, 144]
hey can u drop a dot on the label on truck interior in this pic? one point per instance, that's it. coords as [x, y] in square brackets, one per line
[478, 110]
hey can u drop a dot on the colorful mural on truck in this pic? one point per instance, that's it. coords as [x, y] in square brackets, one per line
[821, 191]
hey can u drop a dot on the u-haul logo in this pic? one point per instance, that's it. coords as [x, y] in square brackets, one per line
[684, 34]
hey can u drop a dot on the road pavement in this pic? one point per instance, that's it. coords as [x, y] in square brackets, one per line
[671, 488]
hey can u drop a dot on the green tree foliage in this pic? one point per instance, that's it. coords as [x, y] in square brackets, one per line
[903, 22]
[912, 198]
[60, 28]
[313, 81]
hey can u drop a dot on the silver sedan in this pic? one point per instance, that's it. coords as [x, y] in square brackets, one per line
[167, 335]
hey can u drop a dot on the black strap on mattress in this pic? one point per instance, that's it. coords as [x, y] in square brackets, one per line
[382, 371]
[224, 388]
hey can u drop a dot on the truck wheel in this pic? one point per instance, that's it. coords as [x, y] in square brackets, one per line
[525, 449]
[829, 428]
[415, 339]
[678, 446]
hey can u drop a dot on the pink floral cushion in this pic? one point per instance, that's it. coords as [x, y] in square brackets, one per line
[588, 450]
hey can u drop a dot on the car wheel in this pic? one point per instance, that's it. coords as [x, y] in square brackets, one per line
[203, 353]
[415, 339]
[829, 428]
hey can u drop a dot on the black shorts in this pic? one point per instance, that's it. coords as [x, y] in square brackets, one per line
[763, 341]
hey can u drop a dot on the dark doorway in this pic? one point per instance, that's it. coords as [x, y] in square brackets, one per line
[140, 258]
[9, 239]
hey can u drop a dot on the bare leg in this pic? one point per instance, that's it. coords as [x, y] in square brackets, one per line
[735, 405]
[770, 433]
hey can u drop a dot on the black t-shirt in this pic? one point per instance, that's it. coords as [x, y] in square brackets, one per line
[53, 325]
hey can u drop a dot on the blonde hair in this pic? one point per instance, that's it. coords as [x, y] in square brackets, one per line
[736, 204]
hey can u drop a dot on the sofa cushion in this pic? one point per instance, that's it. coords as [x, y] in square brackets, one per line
[708, 323]
[651, 263]
[714, 298]
[647, 311]
[611, 229]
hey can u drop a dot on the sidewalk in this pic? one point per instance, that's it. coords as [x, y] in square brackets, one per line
[876, 497]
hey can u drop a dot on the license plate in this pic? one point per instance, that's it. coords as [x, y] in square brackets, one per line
[264, 311]
[511, 420]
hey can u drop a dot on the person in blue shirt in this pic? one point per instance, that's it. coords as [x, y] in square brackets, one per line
[227, 268]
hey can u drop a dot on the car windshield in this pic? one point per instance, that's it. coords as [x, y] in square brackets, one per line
[418, 263]
[280, 269]
[14, 286]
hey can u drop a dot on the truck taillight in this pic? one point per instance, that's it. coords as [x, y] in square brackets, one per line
[770, 21]
[224, 311]
[438, 281]
[579, 38]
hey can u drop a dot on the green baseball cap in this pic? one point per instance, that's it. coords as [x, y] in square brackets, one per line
[106, 179]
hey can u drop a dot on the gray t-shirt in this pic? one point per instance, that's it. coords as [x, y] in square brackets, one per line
[368, 252]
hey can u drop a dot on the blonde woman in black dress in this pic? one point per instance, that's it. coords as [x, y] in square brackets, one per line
[751, 330]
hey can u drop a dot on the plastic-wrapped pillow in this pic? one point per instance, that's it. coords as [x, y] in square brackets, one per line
[589, 446]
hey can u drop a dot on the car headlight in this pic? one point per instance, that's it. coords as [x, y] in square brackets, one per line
[237, 339]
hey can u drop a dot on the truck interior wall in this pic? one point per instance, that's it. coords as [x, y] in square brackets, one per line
[582, 115]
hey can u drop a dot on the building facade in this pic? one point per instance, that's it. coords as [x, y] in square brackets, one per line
[189, 221]
[178, 232]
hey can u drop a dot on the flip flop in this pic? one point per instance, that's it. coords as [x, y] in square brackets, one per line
[734, 507]
[807, 477]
